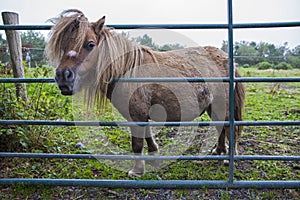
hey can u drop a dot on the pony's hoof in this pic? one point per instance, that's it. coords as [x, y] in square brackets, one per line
[138, 169]
[219, 151]
[133, 173]
[153, 163]
[215, 152]
[226, 162]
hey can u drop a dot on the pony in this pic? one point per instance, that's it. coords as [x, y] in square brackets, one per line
[90, 56]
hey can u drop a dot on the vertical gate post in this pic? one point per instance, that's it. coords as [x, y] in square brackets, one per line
[15, 47]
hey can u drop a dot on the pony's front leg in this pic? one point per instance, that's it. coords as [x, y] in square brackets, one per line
[152, 148]
[138, 136]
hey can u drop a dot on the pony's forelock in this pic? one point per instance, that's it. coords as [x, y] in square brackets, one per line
[68, 33]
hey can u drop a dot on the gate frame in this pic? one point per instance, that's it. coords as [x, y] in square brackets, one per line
[176, 184]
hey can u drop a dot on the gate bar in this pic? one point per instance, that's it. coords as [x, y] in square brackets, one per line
[146, 157]
[167, 26]
[231, 91]
[224, 79]
[129, 124]
[159, 184]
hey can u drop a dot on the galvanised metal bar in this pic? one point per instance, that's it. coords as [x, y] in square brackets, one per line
[266, 25]
[95, 123]
[205, 26]
[27, 80]
[111, 157]
[167, 26]
[159, 184]
[268, 79]
[267, 123]
[129, 124]
[147, 80]
[145, 157]
[222, 79]
[25, 27]
[51, 80]
[231, 91]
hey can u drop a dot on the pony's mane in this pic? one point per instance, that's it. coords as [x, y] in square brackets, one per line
[69, 31]
[114, 57]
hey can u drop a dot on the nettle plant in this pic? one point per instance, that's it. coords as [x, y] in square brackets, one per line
[44, 103]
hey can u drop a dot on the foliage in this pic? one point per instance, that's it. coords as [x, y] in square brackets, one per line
[246, 66]
[264, 65]
[253, 53]
[283, 65]
[169, 47]
[146, 40]
[293, 57]
[294, 61]
[42, 97]
[245, 53]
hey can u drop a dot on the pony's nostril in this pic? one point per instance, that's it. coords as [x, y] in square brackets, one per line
[68, 75]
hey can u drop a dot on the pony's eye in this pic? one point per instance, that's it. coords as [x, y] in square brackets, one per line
[90, 45]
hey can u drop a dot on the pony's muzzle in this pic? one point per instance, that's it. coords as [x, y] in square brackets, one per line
[65, 79]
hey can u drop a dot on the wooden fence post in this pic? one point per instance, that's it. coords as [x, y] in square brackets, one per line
[15, 47]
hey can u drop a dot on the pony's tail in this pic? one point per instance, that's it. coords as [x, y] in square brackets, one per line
[239, 100]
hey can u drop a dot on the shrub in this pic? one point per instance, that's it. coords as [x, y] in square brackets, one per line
[284, 66]
[246, 65]
[294, 61]
[44, 103]
[264, 65]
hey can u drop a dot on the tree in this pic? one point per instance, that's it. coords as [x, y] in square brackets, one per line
[169, 47]
[245, 53]
[252, 53]
[146, 40]
[225, 46]
[293, 57]
[264, 51]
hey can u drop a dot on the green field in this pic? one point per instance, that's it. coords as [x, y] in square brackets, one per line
[264, 101]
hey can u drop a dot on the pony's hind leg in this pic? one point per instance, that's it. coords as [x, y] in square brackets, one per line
[152, 146]
[221, 146]
[237, 133]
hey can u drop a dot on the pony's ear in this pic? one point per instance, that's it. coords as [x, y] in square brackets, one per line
[99, 25]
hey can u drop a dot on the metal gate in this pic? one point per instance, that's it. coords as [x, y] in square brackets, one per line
[229, 183]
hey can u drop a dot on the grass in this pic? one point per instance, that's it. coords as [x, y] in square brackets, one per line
[264, 101]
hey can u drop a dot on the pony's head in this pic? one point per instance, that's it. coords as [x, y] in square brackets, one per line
[72, 38]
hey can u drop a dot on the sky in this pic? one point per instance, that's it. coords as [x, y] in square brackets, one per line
[174, 12]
